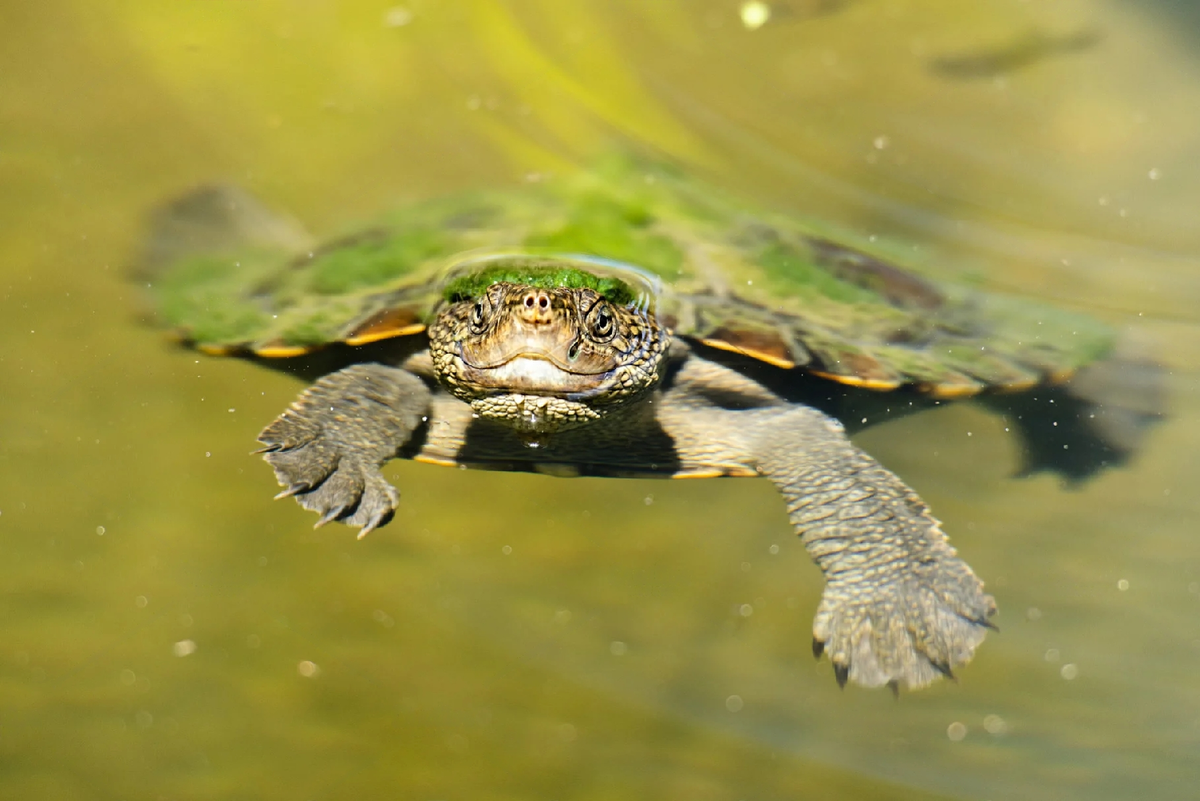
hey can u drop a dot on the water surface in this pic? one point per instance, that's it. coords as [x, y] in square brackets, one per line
[171, 633]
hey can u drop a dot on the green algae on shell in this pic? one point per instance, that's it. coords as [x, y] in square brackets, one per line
[618, 283]
[795, 294]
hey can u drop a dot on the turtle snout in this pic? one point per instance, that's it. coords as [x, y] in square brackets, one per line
[536, 307]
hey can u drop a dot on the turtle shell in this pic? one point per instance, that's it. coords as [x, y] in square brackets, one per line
[732, 277]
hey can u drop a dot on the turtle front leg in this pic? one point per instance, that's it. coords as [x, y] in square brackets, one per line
[328, 447]
[899, 606]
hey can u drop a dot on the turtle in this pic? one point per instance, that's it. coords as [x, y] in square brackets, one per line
[630, 320]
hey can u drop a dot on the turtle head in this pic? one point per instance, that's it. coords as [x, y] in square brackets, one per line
[542, 350]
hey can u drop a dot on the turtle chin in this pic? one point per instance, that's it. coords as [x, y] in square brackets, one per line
[535, 414]
[535, 395]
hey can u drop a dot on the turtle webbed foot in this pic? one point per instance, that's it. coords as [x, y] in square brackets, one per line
[327, 478]
[328, 447]
[906, 630]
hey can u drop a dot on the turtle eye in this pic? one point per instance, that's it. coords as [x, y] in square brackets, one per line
[601, 322]
[478, 317]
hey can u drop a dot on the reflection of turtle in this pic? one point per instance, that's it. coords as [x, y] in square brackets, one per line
[509, 330]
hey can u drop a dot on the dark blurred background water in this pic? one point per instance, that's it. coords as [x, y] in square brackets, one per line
[1181, 12]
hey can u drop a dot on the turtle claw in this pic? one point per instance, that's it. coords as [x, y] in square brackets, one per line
[327, 477]
[293, 489]
[944, 669]
[330, 516]
[381, 509]
[374, 523]
[327, 448]
[841, 673]
[287, 433]
[375, 509]
[354, 493]
[909, 631]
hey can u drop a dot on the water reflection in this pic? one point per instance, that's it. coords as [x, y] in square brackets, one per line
[1023, 51]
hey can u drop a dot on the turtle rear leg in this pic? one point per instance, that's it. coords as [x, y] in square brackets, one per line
[214, 219]
[328, 447]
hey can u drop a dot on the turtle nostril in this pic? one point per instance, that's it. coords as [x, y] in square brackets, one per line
[537, 303]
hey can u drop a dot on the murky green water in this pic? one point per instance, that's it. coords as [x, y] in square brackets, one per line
[515, 636]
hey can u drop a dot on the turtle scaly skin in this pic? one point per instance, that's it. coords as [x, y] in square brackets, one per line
[496, 352]
[598, 389]
[633, 322]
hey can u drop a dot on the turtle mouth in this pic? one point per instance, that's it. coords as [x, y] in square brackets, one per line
[535, 372]
[527, 355]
